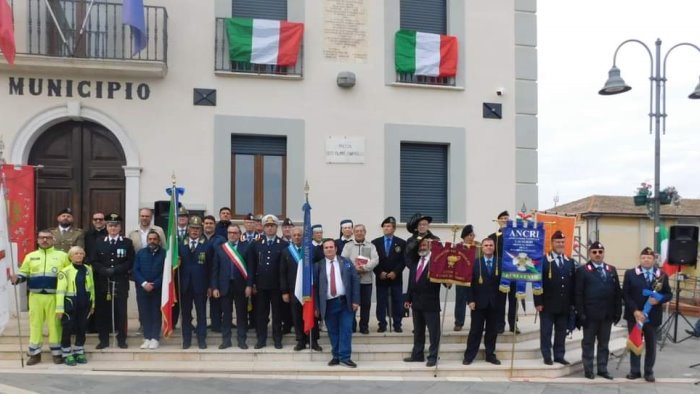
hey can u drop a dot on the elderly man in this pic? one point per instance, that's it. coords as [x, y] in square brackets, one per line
[598, 305]
[389, 275]
[364, 255]
[139, 236]
[40, 269]
[65, 235]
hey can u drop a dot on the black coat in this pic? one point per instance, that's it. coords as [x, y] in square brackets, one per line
[486, 294]
[195, 266]
[288, 271]
[118, 258]
[395, 262]
[423, 294]
[266, 262]
[597, 299]
[558, 292]
[632, 287]
[222, 268]
[92, 236]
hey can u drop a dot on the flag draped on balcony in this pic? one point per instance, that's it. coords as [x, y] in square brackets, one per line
[431, 55]
[264, 41]
[7, 32]
[133, 15]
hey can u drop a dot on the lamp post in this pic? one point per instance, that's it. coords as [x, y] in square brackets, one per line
[657, 108]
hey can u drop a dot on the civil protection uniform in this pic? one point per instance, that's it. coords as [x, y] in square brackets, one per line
[75, 298]
[40, 269]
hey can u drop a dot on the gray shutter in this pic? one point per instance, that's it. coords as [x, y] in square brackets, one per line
[258, 145]
[428, 16]
[261, 9]
[424, 181]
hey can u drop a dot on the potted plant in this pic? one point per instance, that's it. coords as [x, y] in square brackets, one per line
[643, 194]
[669, 195]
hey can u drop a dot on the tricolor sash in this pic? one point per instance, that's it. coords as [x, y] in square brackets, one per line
[236, 259]
[293, 251]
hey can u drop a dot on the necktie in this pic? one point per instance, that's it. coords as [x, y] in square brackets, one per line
[648, 274]
[113, 241]
[387, 245]
[601, 272]
[488, 266]
[300, 251]
[421, 267]
[559, 262]
[334, 291]
[193, 245]
[269, 242]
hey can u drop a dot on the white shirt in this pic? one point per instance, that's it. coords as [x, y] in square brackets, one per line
[339, 287]
[144, 236]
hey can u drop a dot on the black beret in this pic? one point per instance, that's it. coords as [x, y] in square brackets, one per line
[558, 235]
[596, 245]
[65, 210]
[466, 230]
[249, 216]
[502, 214]
[647, 251]
[287, 222]
[389, 220]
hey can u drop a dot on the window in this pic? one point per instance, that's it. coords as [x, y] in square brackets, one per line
[424, 180]
[258, 175]
[260, 9]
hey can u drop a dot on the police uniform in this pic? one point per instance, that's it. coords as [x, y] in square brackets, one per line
[40, 270]
[391, 259]
[265, 256]
[598, 305]
[556, 300]
[112, 261]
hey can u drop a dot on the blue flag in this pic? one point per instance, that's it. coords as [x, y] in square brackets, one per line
[133, 15]
[305, 274]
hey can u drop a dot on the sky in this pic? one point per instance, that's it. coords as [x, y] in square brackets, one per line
[592, 144]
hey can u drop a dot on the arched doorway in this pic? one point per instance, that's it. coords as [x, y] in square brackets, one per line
[82, 169]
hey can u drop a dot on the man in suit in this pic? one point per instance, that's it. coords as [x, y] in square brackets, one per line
[65, 235]
[183, 218]
[337, 287]
[232, 283]
[497, 237]
[556, 302]
[213, 240]
[112, 260]
[645, 277]
[265, 256]
[389, 275]
[292, 258]
[486, 304]
[195, 263]
[598, 305]
[423, 297]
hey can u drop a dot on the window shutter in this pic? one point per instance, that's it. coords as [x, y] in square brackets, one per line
[428, 16]
[261, 9]
[258, 145]
[424, 181]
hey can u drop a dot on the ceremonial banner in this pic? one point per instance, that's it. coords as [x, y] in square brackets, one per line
[6, 264]
[552, 223]
[19, 185]
[451, 263]
[523, 253]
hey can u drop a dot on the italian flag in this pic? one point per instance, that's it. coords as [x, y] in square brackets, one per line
[432, 55]
[663, 253]
[264, 41]
[168, 298]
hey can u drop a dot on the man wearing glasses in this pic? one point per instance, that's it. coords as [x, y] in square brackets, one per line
[98, 231]
[598, 305]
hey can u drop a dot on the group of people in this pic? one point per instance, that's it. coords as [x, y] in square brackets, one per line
[74, 275]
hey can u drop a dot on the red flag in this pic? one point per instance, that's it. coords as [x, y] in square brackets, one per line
[635, 342]
[451, 263]
[19, 181]
[7, 32]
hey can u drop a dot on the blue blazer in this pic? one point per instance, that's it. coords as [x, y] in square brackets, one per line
[195, 266]
[148, 267]
[632, 286]
[222, 266]
[351, 282]
[486, 294]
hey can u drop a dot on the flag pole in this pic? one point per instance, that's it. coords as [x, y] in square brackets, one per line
[12, 270]
[55, 21]
[82, 28]
[307, 188]
[455, 228]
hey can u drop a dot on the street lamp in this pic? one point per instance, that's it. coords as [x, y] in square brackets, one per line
[657, 108]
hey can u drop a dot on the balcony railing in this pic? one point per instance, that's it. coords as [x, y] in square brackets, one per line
[423, 80]
[56, 31]
[222, 60]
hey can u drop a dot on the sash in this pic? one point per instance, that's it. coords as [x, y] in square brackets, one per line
[236, 259]
[293, 251]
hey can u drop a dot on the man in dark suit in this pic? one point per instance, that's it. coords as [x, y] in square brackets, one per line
[337, 287]
[423, 297]
[645, 277]
[389, 275]
[195, 263]
[232, 283]
[265, 256]
[486, 304]
[497, 237]
[112, 260]
[292, 258]
[556, 302]
[598, 305]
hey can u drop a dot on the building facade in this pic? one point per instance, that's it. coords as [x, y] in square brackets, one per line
[110, 126]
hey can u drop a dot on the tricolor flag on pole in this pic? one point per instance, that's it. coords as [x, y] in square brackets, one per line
[663, 253]
[431, 55]
[7, 32]
[168, 297]
[303, 288]
[264, 41]
[133, 16]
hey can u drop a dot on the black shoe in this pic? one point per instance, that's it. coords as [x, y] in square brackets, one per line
[218, 330]
[242, 345]
[299, 346]
[317, 347]
[605, 375]
[259, 345]
[364, 331]
[650, 378]
[102, 345]
[548, 361]
[333, 362]
[225, 345]
[517, 331]
[493, 360]
[413, 360]
[431, 363]
[692, 333]
[561, 361]
[589, 375]
[202, 345]
[501, 330]
[633, 376]
[467, 362]
[278, 345]
[123, 345]
[381, 329]
[186, 345]
[349, 363]
[398, 329]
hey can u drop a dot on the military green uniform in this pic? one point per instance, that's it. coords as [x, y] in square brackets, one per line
[64, 240]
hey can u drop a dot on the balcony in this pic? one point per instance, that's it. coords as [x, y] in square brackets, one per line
[407, 78]
[77, 36]
[225, 67]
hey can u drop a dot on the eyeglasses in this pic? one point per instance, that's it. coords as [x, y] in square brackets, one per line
[45, 237]
[98, 219]
[233, 232]
[596, 252]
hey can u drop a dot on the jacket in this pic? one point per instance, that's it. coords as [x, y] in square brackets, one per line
[483, 290]
[135, 237]
[40, 269]
[558, 291]
[596, 298]
[394, 262]
[349, 276]
[353, 249]
[633, 285]
[148, 267]
[64, 240]
[423, 294]
[194, 266]
[66, 288]
[222, 269]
